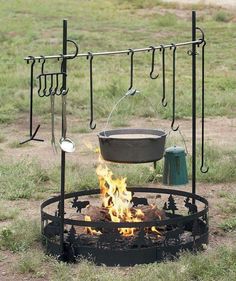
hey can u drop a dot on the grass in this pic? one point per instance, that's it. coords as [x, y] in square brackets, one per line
[7, 212]
[20, 236]
[228, 210]
[223, 16]
[32, 263]
[37, 182]
[23, 179]
[16, 144]
[219, 171]
[2, 257]
[2, 138]
[34, 182]
[80, 130]
[223, 194]
[230, 207]
[218, 265]
[118, 123]
[25, 235]
[39, 32]
[229, 225]
[29, 263]
[81, 177]
[62, 272]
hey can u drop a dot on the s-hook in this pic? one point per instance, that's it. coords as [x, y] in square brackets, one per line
[173, 46]
[90, 57]
[51, 91]
[153, 64]
[163, 101]
[40, 76]
[45, 79]
[131, 53]
[32, 135]
[57, 85]
[204, 169]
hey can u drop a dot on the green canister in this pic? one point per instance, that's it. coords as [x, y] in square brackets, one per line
[175, 167]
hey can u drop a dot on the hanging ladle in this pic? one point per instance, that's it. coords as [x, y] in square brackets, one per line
[66, 144]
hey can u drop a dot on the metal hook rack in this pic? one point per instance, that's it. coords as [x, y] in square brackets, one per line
[46, 92]
[90, 55]
[42, 87]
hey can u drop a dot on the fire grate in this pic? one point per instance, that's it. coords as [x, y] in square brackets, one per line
[184, 227]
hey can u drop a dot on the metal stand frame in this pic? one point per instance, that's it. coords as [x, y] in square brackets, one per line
[64, 56]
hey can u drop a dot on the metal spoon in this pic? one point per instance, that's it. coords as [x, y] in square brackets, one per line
[66, 144]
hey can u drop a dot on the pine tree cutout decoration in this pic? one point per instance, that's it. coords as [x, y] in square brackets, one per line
[172, 204]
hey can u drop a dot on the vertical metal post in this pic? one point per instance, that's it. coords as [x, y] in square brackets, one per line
[193, 104]
[31, 98]
[63, 155]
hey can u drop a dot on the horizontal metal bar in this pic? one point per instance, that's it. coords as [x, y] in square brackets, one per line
[199, 41]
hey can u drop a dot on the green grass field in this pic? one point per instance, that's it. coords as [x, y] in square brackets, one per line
[35, 28]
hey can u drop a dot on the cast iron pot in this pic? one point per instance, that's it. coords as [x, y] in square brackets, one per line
[119, 146]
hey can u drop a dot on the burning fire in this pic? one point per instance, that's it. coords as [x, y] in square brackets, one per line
[117, 199]
[89, 230]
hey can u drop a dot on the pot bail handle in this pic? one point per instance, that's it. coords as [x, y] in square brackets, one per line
[182, 138]
[130, 92]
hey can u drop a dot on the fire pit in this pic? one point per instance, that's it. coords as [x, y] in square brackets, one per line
[182, 225]
[132, 225]
[122, 227]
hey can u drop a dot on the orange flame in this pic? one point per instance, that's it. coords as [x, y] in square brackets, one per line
[88, 229]
[155, 230]
[117, 199]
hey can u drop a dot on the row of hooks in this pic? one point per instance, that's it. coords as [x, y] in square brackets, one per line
[43, 91]
[131, 53]
[151, 75]
[54, 77]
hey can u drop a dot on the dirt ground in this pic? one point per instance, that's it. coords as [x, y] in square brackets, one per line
[222, 3]
[219, 132]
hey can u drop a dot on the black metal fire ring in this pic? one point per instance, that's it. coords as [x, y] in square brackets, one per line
[126, 224]
[194, 226]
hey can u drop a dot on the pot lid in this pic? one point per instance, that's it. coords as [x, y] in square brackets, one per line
[175, 150]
